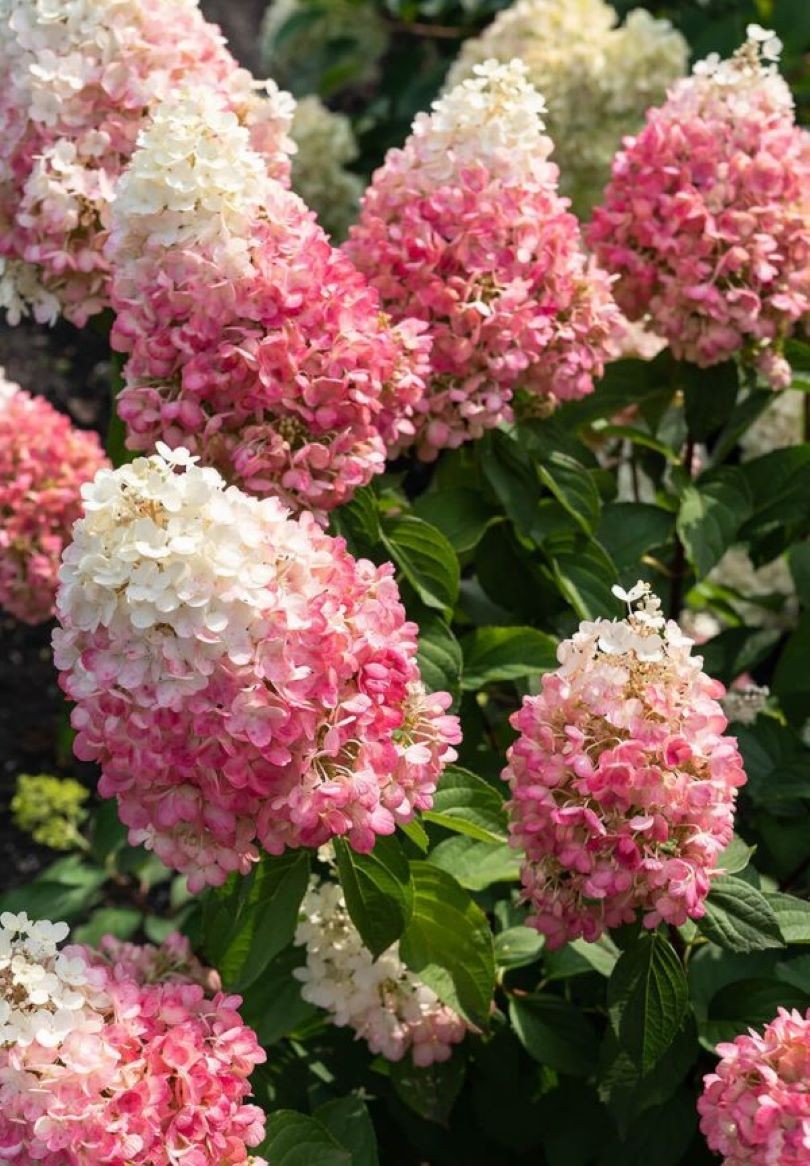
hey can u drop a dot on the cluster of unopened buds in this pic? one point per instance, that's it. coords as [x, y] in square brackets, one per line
[705, 221]
[249, 338]
[125, 1055]
[80, 80]
[754, 1109]
[44, 461]
[463, 229]
[623, 782]
[238, 674]
[385, 1003]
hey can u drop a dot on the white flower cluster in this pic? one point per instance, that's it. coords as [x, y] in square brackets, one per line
[182, 561]
[38, 997]
[736, 572]
[782, 424]
[386, 1004]
[598, 77]
[325, 145]
[752, 70]
[494, 117]
[194, 178]
[743, 704]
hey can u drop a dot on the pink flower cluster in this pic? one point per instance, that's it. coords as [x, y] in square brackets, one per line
[79, 82]
[44, 461]
[755, 1107]
[238, 675]
[706, 220]
[623, 784]
[250, 339]
[152, 1070]
[463, 229]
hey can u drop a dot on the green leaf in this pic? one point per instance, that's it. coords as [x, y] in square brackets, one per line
[793, 917]
[417, 834]
[448, 943]
[584, 574]
[735, 857]
[347, 1120]
[272, 1005]
[647, 999]
[711, 512]
[249, 920]
[739, 918]
[776, 763]
[66, 890]
[709, 395]
[467, 804]
[293, 1139]
[630, 530]
[477, 865]
[513, 479]
[358, 521]
[438, 655]
[555, 1033]
[747, 1003]
[628, 1091]
[492, 654]
[461, 514]
[379, 891]
[573, 487]
[122, 922]
[430, 1092]
[426, 559]
[516, 947]
[581, 958]
[791, 679]
[779, 484]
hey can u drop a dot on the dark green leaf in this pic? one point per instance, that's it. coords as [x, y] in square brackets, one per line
[739, 918]
[779, 484]
[426, 559]
[630, 530]
[747, 1003]
[448, 943]
[348, 1121]
[647, 999]
[461, 514]
[467, 804]
[293, 1139]
[439, 655]
[793, 917]
[710, 515]
[555, 1033]
[585, 574]
[709, 396]
[777, 763]
[272, 1005]
[492, 654]
[791, 680]
[572, 486]
[430, 1092]
[379, 891]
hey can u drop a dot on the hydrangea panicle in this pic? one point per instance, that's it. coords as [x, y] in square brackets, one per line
[597, 76]
[623, 782]
[82, 79]
[126, 1055]
[44, 461]
[754, 1108]
[239, 676]
[463, 229]
[386, 1004]
[706, 220]
[249, 338]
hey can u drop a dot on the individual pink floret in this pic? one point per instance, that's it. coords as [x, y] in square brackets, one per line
[122, 1055]
[623, 782]
[44, 461]
[238, 675]
[463, 229]
[79, 83]
[249, 339]
[755, 1106]
[706, 220]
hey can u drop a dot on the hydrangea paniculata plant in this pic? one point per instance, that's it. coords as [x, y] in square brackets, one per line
[79, 82]
[44, 461]
[125, 1055]
[623, 783]
[385, 1003]
[249, 338]
[706, 220]
[238, 675]
[463, 228]
[754, 1108]
[598, 77]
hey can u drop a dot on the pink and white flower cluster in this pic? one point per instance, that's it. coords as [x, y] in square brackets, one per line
[238, 675]
[623, 784]
[463, 228]
[44, 461]
[706, 220]
[79, 81]
[755, 1108]
[250, 339]
[123, 1055]
[386, 1004]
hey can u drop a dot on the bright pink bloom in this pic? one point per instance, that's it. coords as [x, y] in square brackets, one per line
[250, 339]
[463, 228]
[79, 82]
[623, 784]
[238, 675]
[44, 461]
[152, 1069]
[707, 218]
[755, 1107]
